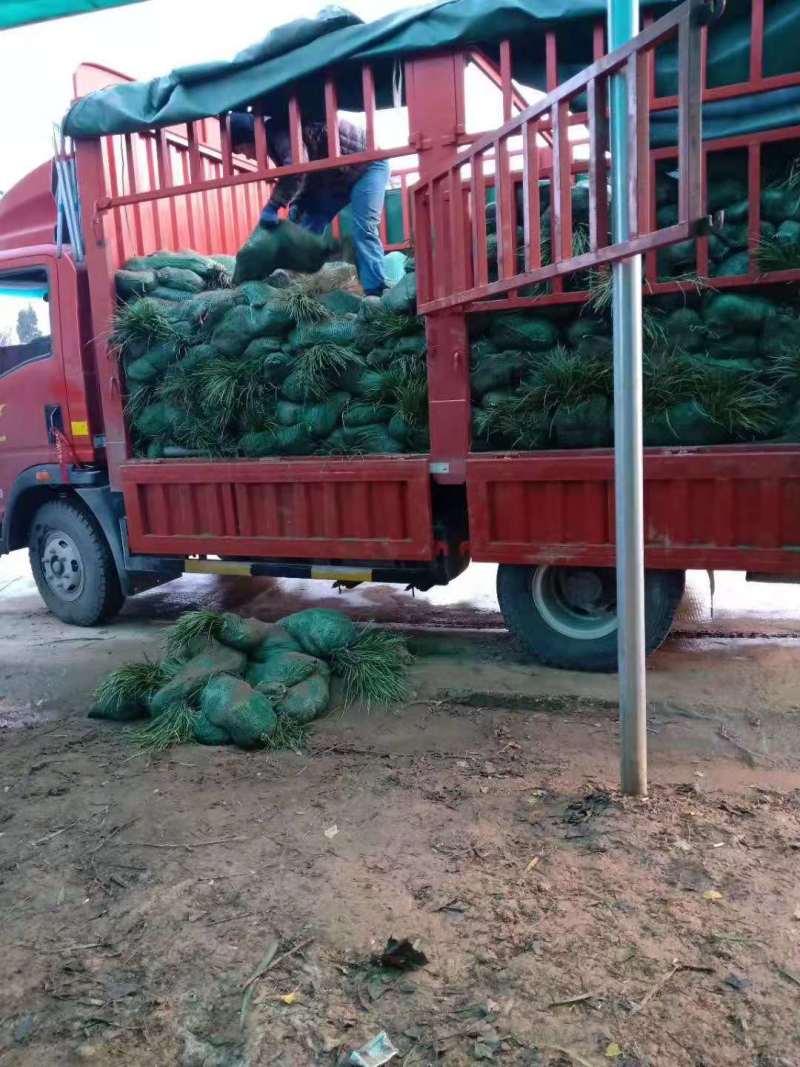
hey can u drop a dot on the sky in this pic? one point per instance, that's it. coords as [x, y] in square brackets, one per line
[144, 40]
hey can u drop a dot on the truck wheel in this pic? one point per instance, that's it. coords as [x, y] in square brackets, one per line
[567, 616]
[72, 564]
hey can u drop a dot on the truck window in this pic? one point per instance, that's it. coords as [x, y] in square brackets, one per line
[25, 333]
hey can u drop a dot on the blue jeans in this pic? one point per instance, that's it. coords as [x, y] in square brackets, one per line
[366, 200]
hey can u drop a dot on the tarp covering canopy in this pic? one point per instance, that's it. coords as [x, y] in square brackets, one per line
[295, 57]
[21, 12]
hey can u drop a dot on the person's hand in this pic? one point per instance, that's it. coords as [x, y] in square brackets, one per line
[269, 218]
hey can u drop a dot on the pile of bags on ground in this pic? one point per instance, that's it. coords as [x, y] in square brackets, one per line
[273, 354]
[225, 679]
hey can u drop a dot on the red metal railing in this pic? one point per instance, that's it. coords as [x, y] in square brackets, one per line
[450, 207]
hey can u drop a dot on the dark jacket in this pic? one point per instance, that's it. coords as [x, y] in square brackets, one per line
[303, 190]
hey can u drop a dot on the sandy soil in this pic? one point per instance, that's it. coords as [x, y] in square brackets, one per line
[563, 925]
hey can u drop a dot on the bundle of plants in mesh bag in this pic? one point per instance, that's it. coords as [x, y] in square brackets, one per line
[720, 368]
[225, 679]
[288, 365]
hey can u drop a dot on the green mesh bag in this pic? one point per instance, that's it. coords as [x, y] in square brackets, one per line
[306, 700]
[287, 413]
[527, 332]
[779, 203]
[586, 425]
[585, 326]
[726, 314]
[686, 423]
[180, 278]
[171, 296]
[364, 414]
[401, 299]
[277, 366]
[277, 640]
[294, 388]
[780, 335]
[133, 283]
[142, 371]
[742, 346]
[232, 709]
[196, 356]
[285, 441]
[242, 324]
[262, 347]
[257, 294]
[379, 358]
[202, 265]
[320, 632]
[337, 444]
[724, 192]
[737, 212]
[370, 440]
[321, 419]
[400, 428]
[245, 635]
[703, 362]
[186, 683]
[160, 420]
[258, 443]
[206, 310]
[495, 371]
[227, 263]
[287, 246]
[336, 331]
[283, 667]
[341, 302]
[413, 345]
[685, 329]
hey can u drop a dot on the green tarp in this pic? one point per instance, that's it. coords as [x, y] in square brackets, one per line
[21, 12]
[302, 50]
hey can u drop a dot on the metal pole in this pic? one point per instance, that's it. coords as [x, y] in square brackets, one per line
[623, 23]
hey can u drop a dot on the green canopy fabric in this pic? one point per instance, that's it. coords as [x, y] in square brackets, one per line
[21, 12]
[296, 55]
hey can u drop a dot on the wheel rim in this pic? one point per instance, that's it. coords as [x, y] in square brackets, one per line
[578, 602]
[62, 566]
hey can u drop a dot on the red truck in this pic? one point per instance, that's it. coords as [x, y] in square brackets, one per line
[102, 525]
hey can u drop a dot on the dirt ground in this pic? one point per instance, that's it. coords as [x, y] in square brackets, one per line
[563, 925]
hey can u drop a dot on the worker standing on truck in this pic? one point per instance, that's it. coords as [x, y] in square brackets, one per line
[315, 199]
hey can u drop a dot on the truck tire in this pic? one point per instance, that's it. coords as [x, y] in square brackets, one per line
[567, 616]
[72, 564]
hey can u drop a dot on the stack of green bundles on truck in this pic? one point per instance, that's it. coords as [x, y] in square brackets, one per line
[252, 360]
[720, 365]
[298, 364]
[229, 680]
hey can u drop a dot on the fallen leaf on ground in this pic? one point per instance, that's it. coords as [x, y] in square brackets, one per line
[712, 894]
[331, 832]
[613, 1051]
[532, 864]
[289, 998]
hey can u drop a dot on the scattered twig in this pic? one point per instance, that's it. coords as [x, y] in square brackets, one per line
[189, 845]
[676, 968]
[788, 976]
[268, 961]
[108, 837]
[751, 758]
[577, 999]
[230, 918]
[55, 833]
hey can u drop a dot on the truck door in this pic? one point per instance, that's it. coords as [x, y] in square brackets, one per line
[31, 375]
